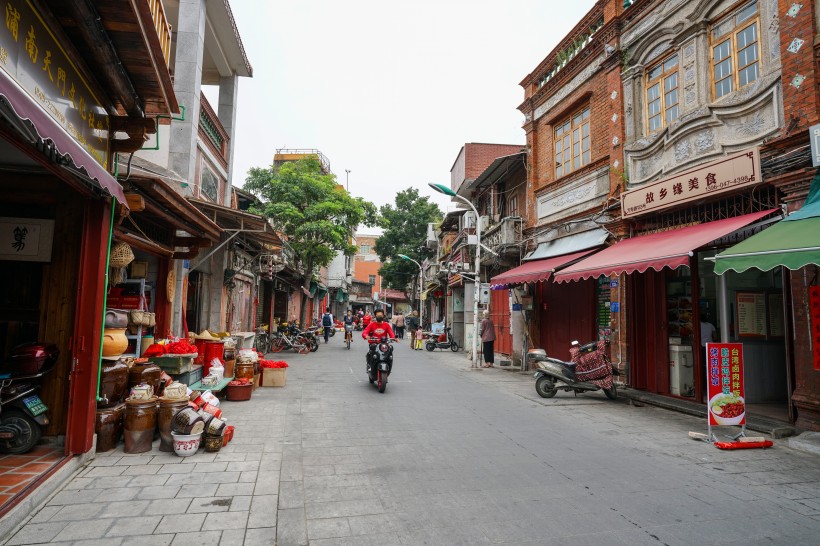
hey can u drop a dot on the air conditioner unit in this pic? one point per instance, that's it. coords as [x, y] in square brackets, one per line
[467, 221]
[485, 222]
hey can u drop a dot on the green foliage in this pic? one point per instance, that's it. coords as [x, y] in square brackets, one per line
[405, 232]
[317, 215]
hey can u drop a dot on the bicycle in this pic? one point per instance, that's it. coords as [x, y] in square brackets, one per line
[348, 335]
[293, 340]
[262, 340]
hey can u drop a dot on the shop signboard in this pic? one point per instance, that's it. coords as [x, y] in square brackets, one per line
[814, 311]
[34, 58]
[720, 176]
[726, 393]
[26, 239]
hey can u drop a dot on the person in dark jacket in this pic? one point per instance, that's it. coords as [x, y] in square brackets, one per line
[487, 333]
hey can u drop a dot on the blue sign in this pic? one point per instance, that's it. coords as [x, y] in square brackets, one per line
[517, 307]
[613, 283]
[614, 306]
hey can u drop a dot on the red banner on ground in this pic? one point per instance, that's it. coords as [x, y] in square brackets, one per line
[724, 369]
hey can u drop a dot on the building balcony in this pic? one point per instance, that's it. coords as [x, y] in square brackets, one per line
[212, 133]
[503, 238]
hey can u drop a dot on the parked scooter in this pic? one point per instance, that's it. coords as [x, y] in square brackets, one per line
[22, 412]
[442, 341]
[588, 370]
[379, 361]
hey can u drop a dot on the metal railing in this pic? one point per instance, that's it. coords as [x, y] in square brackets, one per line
[213, 129]
[163, 28]
[323, 160]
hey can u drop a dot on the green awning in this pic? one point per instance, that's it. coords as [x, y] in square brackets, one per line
[340, 296]
[792, 243]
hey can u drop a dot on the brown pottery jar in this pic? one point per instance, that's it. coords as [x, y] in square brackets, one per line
[113, 382]
[140, 424]
[145, 372]
[165, 417]
[108, 427]
[244, 370]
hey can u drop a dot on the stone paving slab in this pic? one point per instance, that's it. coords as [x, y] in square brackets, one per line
[448, 455]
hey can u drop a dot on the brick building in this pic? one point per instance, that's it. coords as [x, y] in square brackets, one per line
[573, 121]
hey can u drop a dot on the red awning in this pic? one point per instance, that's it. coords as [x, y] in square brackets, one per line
[47, 129]
[671, 249]
[535, 271]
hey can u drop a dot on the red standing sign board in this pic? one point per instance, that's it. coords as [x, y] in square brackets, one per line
[727, 399]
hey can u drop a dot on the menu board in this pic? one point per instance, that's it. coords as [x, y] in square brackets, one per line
[604, 310]
[775, 311]
[751, 314]
[725, 388]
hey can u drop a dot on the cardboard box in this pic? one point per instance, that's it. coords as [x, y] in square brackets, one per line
[274, 377]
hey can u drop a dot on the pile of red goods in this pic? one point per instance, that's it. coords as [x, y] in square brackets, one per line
[155, 349]
[273, 363]
[239, 382]
[181, 347]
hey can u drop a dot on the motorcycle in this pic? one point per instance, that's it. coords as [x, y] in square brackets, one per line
[22, 412]
[443, 341]
[379, 361]
[588, 370]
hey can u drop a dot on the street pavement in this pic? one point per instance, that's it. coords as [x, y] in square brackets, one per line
[448, 455]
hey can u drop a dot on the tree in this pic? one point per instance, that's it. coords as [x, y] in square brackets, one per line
[405, 232]
[317, 215]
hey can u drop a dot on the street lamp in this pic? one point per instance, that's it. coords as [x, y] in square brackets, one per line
[347, 180]
[421, 272]
[441, 188]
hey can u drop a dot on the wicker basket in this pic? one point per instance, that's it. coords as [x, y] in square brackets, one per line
[121, 255]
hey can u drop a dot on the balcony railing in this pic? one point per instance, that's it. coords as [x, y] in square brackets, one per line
[213, 131]
[163, 28]
[504, 236]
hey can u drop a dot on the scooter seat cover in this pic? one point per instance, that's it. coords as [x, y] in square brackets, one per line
[593, 366]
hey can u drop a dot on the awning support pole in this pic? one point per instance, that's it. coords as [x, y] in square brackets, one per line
[723, 294]
[215, 250]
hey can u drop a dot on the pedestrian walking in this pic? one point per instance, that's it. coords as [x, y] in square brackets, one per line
[400, 325]
[487, 333]
[412, 324]
[327, 323]
[418, 340]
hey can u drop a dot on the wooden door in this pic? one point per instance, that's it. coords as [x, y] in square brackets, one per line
[500, 315]
[648, 331]
[567, 313]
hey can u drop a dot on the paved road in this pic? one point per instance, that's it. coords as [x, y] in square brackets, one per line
[447, 455]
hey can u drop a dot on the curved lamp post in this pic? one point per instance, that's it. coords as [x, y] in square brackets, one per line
[421, 272]
[441, 188]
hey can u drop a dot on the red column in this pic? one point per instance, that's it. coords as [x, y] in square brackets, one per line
[85, 351]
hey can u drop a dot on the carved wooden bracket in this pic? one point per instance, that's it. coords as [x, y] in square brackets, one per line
[137, 129]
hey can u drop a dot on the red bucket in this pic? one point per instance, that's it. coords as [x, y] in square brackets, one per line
[200, 350]
[213, 349]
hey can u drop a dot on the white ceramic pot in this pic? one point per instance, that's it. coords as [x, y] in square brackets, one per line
[186, 445]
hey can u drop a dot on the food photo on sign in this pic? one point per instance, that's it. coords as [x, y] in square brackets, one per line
[727, 405]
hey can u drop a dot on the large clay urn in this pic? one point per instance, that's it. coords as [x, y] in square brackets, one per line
[145, 372]
[114, 341]
[113, 382]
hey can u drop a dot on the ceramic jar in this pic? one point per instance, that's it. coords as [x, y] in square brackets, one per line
[186, 445]
[213, 443]
[116, 318]
[145, 372]
[113, 382]
[168, 408]
[187, 421]
[140, 424]
[114, 342]
[244, 370]
[229, 359]
[108, 426]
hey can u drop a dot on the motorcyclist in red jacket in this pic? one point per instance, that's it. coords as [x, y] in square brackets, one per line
[378, 328]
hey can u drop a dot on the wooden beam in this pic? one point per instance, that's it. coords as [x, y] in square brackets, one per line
[136, 203]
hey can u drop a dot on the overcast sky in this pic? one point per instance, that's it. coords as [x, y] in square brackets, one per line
[390, 90]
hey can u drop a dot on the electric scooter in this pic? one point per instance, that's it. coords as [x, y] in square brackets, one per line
[22, 412]
[443, 341]
[588, 370]
[379, 361]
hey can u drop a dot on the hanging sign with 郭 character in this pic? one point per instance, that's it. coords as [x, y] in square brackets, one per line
[724, 372]
[26, 239]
